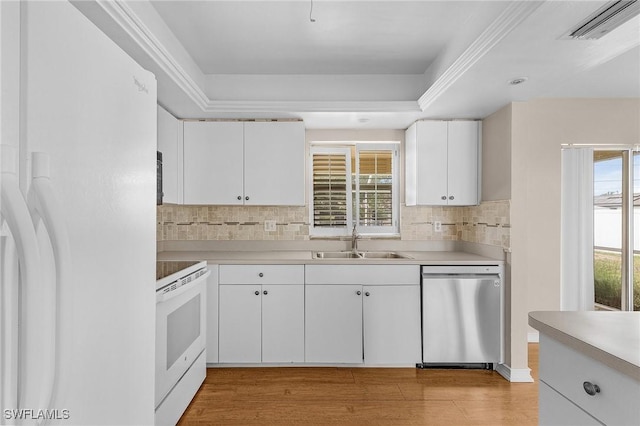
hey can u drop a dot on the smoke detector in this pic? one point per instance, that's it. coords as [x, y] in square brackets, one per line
[604, 20]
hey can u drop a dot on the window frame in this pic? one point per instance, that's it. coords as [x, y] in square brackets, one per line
[353, 187]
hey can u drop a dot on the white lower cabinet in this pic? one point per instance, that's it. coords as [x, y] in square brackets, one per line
[392, 324]
[282, 323]
[333, 324]
[240, 323]
[261, 321]
[362, 313]
[212, 315]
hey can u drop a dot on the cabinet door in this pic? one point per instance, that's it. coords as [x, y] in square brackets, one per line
[239, 327]
[392, 325]
[213, 163]
[212, 315]
[168, 146]
[333, 323]
[463, 163]
[274, 163]
[283, 323]
[431, 163]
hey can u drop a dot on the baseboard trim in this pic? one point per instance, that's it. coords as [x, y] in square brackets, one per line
[515, 375]
[533, 337]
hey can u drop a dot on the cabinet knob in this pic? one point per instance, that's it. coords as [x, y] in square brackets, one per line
[451, 197]
[261, 275]
[257, 293]
[367, 294]
[239, 197]
[246, 198]
[265, 292]
[444, 197]
[591, 388]
[358, 292]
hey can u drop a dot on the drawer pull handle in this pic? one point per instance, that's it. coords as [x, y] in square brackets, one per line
[257, 293]
[591, 388]
[358, 292]
[261, 275]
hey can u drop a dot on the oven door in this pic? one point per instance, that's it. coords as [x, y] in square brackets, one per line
[180, 333]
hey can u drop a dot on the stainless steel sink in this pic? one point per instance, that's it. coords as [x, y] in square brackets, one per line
[336, 255]
[358, 255]
[382, 255]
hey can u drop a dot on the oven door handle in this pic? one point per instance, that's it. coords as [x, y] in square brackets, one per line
[163, 297]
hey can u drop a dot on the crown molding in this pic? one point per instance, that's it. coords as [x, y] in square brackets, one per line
[311, 106]
[139, 33]
[127, 19]
[509, 19]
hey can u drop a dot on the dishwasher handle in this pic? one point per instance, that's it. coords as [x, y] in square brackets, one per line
[461, 276]
[461, 269]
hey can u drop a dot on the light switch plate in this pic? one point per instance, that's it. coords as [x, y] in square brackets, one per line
[437, 226]
[269, 225]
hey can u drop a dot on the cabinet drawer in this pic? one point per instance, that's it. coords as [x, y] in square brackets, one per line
[261, 274]
[363, 274]
[556, 410]
[565, 370]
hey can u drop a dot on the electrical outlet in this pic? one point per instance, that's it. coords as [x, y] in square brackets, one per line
[269, 225]
[437, 226]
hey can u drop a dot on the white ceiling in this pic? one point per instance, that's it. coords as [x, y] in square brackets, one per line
[367, 64]
[277, 37]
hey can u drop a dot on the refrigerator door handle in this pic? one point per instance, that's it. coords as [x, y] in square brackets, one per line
[16, 214]
[46, 210]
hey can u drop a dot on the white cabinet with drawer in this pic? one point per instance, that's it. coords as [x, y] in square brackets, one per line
[362, 313]
[261, 314]
[604, 393]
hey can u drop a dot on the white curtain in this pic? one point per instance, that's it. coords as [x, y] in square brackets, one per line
[577, 230]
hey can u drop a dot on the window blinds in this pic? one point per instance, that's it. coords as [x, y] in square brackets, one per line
[330, 182]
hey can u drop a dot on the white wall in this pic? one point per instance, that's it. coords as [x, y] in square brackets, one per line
[538, 129]
[496, 156]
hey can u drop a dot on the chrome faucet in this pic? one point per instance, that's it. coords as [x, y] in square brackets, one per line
[354, 240]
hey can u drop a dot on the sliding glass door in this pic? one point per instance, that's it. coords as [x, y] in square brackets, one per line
[616, 230]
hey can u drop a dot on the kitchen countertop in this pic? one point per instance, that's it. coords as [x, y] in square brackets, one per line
[306, 257]
[612, 338]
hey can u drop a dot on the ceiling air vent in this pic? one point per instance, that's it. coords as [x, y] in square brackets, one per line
[606, 19]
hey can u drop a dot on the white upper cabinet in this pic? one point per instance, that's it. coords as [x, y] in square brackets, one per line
[251, 163]
[168, 145]
[442, 163]
[213, 162]
[274, 163]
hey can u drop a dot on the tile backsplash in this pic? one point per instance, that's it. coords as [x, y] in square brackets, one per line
[488, 223]
[178, 222]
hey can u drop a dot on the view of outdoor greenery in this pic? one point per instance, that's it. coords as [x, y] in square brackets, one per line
[607, 267]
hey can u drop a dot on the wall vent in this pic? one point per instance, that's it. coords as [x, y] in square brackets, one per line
[606, 19]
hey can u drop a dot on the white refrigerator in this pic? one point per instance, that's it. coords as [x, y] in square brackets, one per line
[77, 277]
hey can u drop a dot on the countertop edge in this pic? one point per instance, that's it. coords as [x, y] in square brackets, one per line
[306, 258]
[594, 352]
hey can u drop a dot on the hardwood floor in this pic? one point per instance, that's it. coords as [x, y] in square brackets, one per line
[363, 396]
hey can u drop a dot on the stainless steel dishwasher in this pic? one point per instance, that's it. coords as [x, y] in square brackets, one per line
[461, 316]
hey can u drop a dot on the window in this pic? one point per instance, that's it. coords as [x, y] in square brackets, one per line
[354, 184]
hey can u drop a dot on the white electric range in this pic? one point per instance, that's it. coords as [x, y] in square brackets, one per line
[180, 336]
